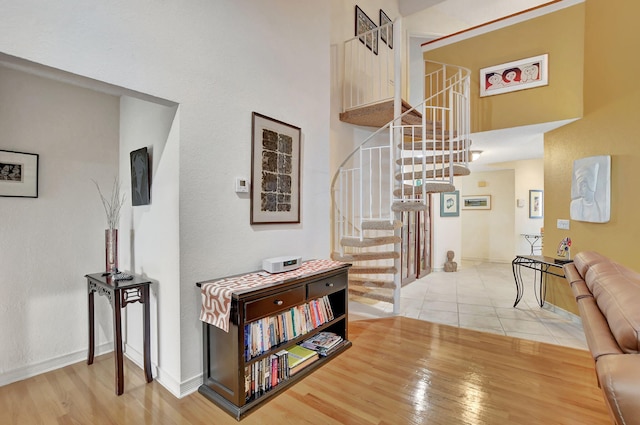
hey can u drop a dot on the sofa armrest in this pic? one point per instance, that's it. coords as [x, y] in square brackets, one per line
[619, 376]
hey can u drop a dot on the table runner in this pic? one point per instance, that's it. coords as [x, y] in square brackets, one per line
[216, 296]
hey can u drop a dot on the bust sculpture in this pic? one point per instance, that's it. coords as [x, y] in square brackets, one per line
[450, 265]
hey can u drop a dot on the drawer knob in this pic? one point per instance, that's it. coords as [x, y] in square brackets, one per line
[278, 302]
[330, 285]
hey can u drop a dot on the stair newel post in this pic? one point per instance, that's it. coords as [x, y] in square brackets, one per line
[360, 197]
[397, 106]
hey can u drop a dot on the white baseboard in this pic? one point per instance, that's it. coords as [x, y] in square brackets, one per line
[175, 387]
[51, 364]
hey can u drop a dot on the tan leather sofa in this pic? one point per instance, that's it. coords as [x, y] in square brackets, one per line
[608, 297]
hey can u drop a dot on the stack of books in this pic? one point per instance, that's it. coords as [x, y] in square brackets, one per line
[300, 357]
[323, 343]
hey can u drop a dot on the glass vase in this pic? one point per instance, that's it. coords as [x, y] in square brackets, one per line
[111, 250]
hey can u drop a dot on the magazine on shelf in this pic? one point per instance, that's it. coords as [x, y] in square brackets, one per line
[323, 342]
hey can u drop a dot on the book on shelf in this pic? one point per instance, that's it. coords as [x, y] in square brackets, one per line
[300, 357]
[264, 334]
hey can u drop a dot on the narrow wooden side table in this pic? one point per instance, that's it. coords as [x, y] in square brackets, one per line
[121, 293]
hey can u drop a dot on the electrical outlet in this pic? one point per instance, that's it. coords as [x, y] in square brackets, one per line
[563, 224]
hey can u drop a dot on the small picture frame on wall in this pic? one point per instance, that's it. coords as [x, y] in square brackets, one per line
[386, 29]
[536, 204]
[476, 202]
[140, 193]
[275, 171]
[450, 204]
[364, 25]
[19, 174]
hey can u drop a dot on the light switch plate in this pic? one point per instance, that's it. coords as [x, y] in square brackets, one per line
[563, 224]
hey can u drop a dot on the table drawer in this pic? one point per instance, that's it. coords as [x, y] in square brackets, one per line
[269, 305]
[326, 286]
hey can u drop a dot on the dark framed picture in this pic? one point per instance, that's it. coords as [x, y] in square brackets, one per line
[365, 26]
[386, 29]
[275, 171]
[140, 193]
[450, 204]
[19, 174]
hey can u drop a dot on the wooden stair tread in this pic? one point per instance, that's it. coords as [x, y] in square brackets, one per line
[379, 294]
[409, 206]
[458, 157]
[372, 270]
[429, 188]
[458, 170]
[371, 283]
[366, 242]
[381, 225]
[379, 114]
[364, 256]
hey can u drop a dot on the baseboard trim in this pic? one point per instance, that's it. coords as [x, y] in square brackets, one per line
[32, 370]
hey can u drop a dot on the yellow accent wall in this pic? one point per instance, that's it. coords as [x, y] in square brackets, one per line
[609, 127]
[559, 34]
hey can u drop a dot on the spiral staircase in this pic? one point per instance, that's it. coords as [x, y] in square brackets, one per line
[415, 152]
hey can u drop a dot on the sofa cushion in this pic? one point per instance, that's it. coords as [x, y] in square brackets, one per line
[596, 329]
[617, 292]
[585, 259]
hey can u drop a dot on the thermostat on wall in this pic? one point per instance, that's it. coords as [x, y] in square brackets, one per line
[281, 264]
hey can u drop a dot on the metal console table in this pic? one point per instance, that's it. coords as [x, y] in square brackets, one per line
[542, 267]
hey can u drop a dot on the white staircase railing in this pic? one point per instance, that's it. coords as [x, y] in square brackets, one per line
[368, 77]
[401, 163]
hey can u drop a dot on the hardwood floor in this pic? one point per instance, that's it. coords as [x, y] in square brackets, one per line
[399, 371]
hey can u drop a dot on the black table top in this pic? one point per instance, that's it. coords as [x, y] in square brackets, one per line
[107, 280]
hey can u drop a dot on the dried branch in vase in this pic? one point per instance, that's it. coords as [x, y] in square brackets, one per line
[113, 204]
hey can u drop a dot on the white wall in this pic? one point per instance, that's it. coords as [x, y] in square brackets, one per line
[488, 235]
[220, 61]
[529, 175]
[49, 243]
[447, 236]
[149, 234]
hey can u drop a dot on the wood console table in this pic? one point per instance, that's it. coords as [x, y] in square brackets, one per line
[542, 266]
[120, 293]
[227, 356]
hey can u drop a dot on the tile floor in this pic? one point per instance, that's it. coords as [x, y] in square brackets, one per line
[480, 296]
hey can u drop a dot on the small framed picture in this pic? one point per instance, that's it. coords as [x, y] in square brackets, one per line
[536, 204]
[365, 26]
[450, 204]
[140, 193]
[386, 29]
[18, 174]
[476, 202]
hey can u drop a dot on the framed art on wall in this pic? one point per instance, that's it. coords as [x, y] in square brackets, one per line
[364, 24]
[450, 204]
[18, 174]
[140, 193]
[386, 29]
[536, 204]
[517, 75]
[275, 171]
[476, 202]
